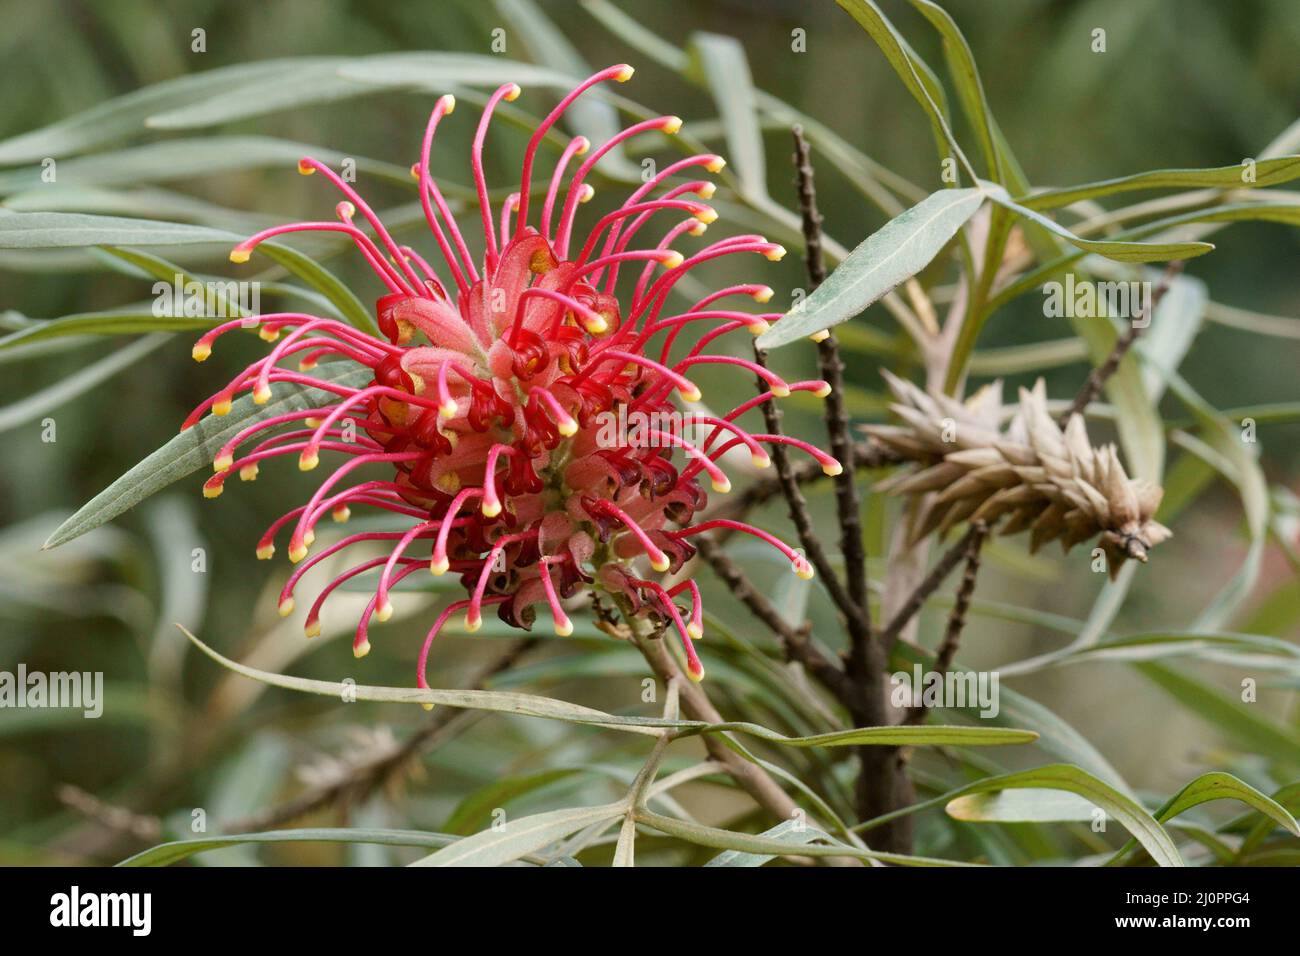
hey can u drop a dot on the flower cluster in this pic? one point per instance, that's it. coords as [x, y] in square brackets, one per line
[488, 383]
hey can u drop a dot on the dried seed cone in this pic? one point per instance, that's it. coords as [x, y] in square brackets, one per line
[1034, 474]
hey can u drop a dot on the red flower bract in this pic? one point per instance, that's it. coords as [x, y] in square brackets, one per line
[493, 403]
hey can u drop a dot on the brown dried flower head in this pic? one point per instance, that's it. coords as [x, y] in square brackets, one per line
[1036, 475]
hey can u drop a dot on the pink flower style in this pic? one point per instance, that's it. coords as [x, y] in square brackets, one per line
[487, 427]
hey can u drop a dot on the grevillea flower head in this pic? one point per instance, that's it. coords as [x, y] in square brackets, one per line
[483, 420]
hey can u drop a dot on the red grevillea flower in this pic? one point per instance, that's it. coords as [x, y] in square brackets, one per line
[491, 387]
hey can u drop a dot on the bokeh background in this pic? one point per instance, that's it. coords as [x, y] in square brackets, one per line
[1184, 83]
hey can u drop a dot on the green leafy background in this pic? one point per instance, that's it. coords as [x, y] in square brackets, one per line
[1133, 688]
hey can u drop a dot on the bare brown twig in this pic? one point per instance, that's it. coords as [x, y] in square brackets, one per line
[847, 503]
[1098, 377]
[143, 827]
[957, 616]
[858, 623]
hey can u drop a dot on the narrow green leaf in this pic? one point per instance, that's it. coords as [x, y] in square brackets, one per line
[101, 323]
[125, 116]
[778, 846]
[722, 63]
[965, 74]
[912, 70]
[794, 832]
[899, 250]
[1057, 777]
[1120, 251]
[52, 230]
[1268, 172]
[534, 706]
[1022, 806]
[184, 159]
[166, 854]
[516, 838]
[1217, 785]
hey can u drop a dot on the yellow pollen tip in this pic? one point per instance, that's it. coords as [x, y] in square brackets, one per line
[568, 428]
[763, 294]
[512, 94]
[706, 190]
[200, 352]
[239, 255]
[248, 472]
[775, 254]
[716, 165]
[312, 422]
[833, 468]
[694, 631]
[439, 566]
[222, 463]
[695, 673]
[781, 391]
[385, 612]
[297, 552]
[311, 628]
[824, 390]
[491, 509]
[448, 410]
[584, 144]
[361, 650]
[345, 210]
[672, 260]
[309, 538]
[690, 393]
[821, 336]
[448, 104]
[221, 407]
[721, 486]
[588, 191]
[698, 228]
[268, 333]
[265, 552]
[305, 168]
[306, 365]
[286, 607]
[672, 124]
[761, 461]
[415, 170]
[804, 570]
[427, 706]
[660, 563]
[308, 462]
[759, 326]
[597, 325]
[564, 627]
[707, 215]
[472, 624]
[341, 514]
[213, 491]
[261, 395]
[624, 74]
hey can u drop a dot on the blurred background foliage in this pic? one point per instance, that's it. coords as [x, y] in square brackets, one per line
[1184, 83]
